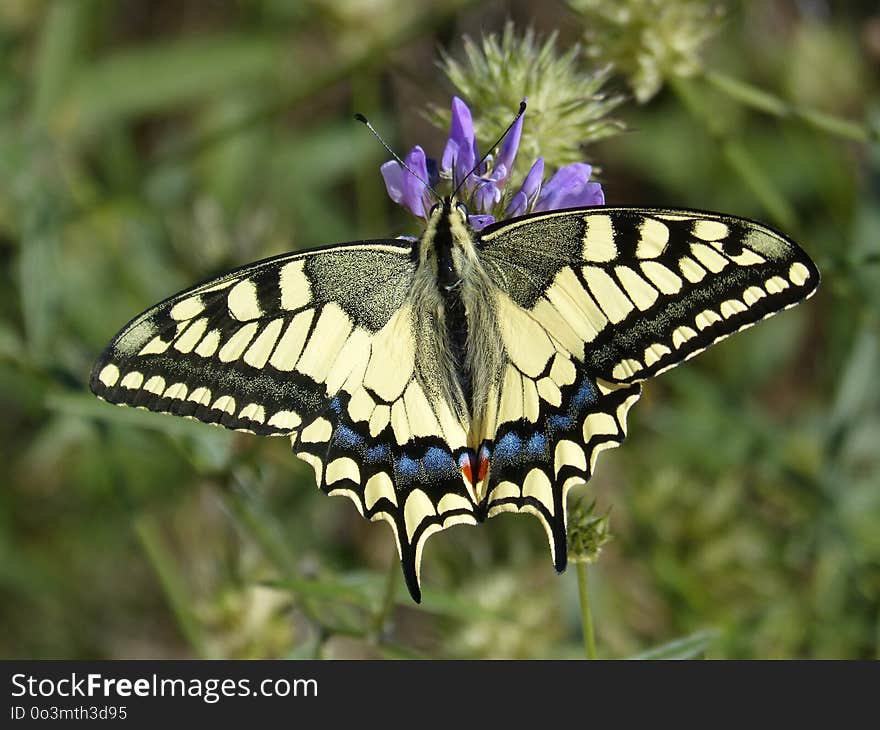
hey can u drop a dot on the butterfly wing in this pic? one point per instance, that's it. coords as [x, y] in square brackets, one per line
[318, 346]
[649, 288]
[590, 303]
[258, 349]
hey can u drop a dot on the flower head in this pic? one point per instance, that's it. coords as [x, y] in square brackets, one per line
[484, 188]
[568, 106]
[649, 41]
[587, 533]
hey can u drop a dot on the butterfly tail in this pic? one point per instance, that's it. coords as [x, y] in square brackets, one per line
[408, 562]
[559, 541]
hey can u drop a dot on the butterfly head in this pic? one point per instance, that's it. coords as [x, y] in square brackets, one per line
[447, 243]
[450, 208]
[448, 224]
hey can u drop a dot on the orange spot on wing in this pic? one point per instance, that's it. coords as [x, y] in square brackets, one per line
[465, 463]
[484, 466]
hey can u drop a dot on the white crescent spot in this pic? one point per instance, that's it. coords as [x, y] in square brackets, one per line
[418, 506]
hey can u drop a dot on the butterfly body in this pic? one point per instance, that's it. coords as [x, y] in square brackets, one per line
[463, 375]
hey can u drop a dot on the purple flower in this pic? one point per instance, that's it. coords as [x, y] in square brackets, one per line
[460, 154]
[524, 200]
[407, 189]
[570, 187]
[484, 190]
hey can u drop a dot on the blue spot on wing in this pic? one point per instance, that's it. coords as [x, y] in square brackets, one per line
[558, 422]
[586, 393]
[537, 445]
[407, 467]
[508, 447]
[438, 460]
[377, 453]
[347, 437]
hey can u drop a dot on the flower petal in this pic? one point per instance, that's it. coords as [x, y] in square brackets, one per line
[570, 188]
[478, 222]
[507, 154]
[404, 187]
[524, 199]
[593, 194]
[414, 190]
[460, 153]
[486, 195]
[393, 174]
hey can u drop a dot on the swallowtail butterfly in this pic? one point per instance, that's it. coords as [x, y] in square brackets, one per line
[466, 374]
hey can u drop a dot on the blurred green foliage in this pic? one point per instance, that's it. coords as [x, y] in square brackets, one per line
[148, 145]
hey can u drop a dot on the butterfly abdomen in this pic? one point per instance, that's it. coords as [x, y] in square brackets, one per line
[454, 316]
[449, 282]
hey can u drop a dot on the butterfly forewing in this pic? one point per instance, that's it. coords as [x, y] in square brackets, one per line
[257, 349]
[632, 292]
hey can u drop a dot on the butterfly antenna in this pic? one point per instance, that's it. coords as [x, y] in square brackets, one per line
[366, 122]
[522, 109]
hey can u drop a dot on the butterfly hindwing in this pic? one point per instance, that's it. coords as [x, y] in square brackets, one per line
[537, 457]
[634, 292]
[401, 466]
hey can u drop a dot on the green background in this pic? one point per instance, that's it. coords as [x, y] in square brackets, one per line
[145, 146]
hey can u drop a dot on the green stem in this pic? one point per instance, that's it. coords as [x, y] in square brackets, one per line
[384, 614]
[737, 155]
[768, 103]
[586, 612]
[163, 563]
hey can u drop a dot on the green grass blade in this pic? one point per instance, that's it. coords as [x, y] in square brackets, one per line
[687, 647]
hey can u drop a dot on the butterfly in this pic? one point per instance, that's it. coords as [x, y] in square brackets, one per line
[468, 373]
